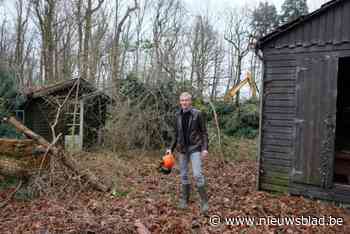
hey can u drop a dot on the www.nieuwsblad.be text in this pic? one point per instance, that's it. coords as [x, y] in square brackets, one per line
[217, 220]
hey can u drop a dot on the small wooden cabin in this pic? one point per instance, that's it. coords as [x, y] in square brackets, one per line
[304, 146]
[40, 110]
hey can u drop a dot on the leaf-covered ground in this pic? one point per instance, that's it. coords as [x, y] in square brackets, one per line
[141, 193]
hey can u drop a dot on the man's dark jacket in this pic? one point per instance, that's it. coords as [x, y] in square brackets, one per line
[197, 133]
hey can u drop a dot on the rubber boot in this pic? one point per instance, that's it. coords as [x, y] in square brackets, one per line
[185, 195]
[202, 190]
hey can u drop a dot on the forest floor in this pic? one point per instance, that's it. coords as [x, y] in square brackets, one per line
[144, 196]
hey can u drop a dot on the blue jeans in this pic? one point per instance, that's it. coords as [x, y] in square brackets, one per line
[196, 162]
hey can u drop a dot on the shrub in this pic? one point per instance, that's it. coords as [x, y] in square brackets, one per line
[241, 121]
[8, 102]
[143, 117]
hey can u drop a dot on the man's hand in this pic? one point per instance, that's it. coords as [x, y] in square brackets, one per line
[204, 154]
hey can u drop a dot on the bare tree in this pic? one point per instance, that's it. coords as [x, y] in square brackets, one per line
[167, 40]
[202, 49]
[116, 50]
[218, 60]
[140, 16]
[66, 44]
[45, 12]
[78, 12]
[89, 11]
[22, 10]
[97, 46]
[238, 35]
[4, 44]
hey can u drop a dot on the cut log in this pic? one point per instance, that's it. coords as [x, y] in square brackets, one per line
[21, 158]
[66, 159]
[12, 167]
[16, 148]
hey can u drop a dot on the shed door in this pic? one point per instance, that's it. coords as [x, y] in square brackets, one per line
[315, 120]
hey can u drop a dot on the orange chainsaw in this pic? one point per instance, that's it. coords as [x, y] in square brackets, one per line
[167, 163]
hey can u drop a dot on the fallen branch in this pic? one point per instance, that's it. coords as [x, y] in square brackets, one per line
[217, 125]
[66, 159]
[29, 133]
[49, 148]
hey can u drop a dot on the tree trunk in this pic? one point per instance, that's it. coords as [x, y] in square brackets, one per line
[67, 160]
[80, 34]
[238, 78]
[87, 35]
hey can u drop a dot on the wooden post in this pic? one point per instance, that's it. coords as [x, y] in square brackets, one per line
[81, 126]
[261, 108]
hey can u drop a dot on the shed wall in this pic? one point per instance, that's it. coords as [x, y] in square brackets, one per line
[303, 57]
[36, 119]
[279, 114]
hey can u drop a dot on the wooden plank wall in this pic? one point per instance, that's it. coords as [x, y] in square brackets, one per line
[278, 115]
[327, 32]
[36, 119]
[278, 145]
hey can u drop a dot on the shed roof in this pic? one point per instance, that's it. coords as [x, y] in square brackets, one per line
[88, 89]
[281, 30]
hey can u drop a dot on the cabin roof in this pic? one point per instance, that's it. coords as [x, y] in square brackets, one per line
[51, 89]
[87, 89]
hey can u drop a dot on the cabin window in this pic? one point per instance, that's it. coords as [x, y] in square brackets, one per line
[20, 115]
[342, 133]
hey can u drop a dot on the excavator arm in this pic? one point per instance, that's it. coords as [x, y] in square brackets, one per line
[233, 91]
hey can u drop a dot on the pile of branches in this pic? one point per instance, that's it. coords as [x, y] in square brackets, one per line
[142, 117]
[63, 173]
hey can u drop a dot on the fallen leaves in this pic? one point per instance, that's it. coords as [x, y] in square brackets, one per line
[145, 201]
[140, 228]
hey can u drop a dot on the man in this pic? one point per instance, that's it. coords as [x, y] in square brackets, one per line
[191, 141]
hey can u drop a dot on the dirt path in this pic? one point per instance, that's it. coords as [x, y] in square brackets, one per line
[143, 194]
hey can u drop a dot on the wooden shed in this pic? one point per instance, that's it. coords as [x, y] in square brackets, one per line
[304, 144]
[39, 112]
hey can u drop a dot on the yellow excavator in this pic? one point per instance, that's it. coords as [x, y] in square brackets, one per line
[233, 91]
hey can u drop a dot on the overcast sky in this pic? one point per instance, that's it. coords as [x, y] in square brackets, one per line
[221, 5]
[215, 9]
[195, 6]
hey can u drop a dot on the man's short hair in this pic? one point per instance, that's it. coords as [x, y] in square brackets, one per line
[186, 95]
